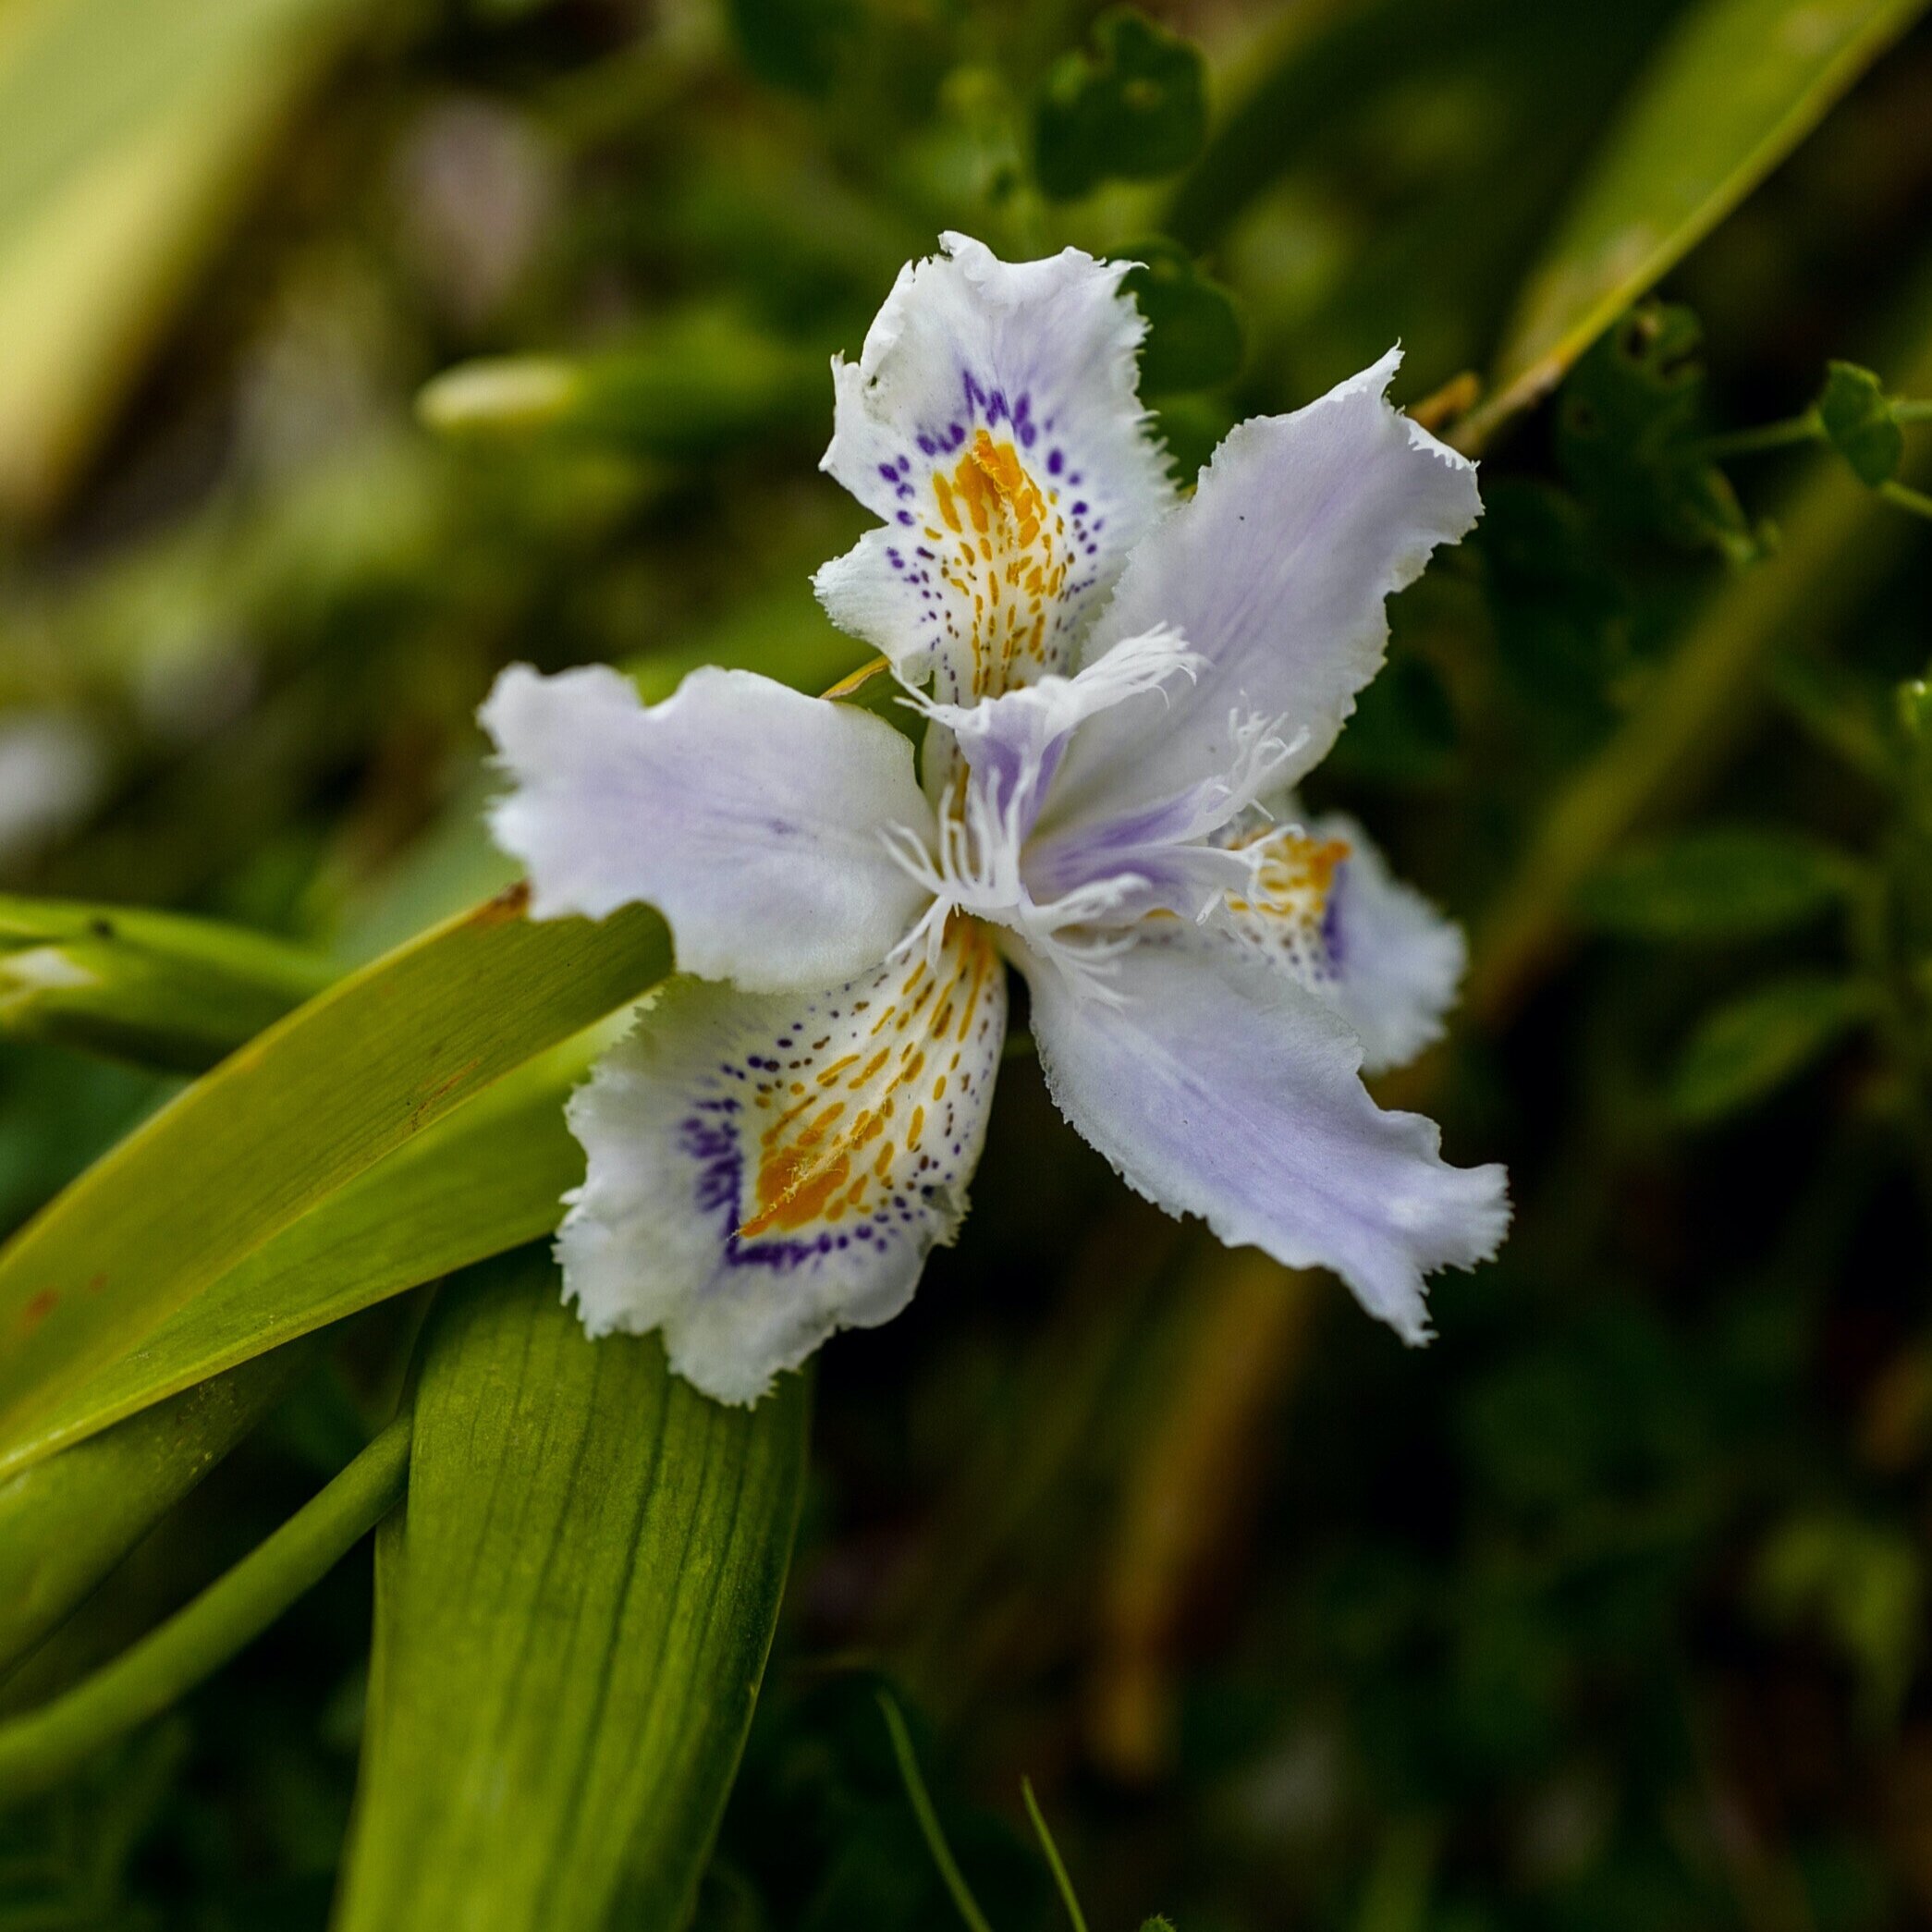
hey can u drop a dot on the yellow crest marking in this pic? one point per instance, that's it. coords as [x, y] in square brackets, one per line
[863, 1109]
[1002, 546]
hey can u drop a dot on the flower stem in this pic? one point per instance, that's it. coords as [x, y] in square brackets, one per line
[1770, 435]
[1911, 409]
[1907, 499]
[39, 1749]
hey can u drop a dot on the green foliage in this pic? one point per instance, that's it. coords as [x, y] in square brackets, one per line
[1733, 88]
[243, 1154]
[43, 1746]
[1862, 1586]
[486, 1180]
[65, 1522]
[573, 1618]
[1717, 883]
[1750, 1046]
[1856, 417]
[1605, 1613]
[1563, 626]
[1193, 333]
[822, 1832]
[1134, 109]
[929, 1829]
[1628, 433]
[795, 43]
[144, 987]
[700, 383]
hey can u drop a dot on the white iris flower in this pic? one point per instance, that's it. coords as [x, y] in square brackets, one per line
[1122, 687]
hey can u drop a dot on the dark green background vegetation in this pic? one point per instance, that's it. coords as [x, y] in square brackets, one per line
[347, 357]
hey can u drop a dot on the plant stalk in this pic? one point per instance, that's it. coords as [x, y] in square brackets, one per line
[39, 1749]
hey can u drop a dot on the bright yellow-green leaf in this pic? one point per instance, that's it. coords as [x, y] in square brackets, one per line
[572, 1615]
[295, 1116]
[489, 1177]
[1734, 90]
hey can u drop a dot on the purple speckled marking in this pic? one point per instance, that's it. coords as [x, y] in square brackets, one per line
[1331, 920]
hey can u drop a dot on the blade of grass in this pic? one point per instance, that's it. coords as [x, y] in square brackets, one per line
[922, 1802]
[1053, 1856]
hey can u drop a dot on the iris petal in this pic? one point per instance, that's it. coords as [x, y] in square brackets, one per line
[992, 422]
[750, 816]
[1221, 1088]
[765, 1170]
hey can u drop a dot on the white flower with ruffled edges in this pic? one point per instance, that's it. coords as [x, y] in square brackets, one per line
[1121, 687]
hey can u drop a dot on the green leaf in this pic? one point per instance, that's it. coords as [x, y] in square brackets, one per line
[572, 1615]
[1628, 433]
[1719, 883]
[490, 1177]
[293, 1116]
[1736, 87]
[1744, 1051]
[45, 1746]
[154, 988]
[1193, 335]
[1856, 416]
[1133, 110]
[66, 1522]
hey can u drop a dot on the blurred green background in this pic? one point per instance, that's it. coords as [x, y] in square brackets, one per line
[350, 351]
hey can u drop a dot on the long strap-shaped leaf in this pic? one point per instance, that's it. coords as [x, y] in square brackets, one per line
[572, 1615]
[1738, 85]
[489, 1177]
[293, 1116]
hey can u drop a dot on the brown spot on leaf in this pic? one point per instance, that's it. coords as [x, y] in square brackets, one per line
[512, 902]
[427, 1097]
